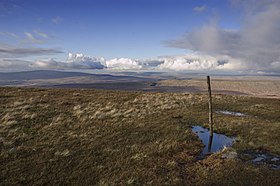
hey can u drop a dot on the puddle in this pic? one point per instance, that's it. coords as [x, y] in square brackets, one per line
[226, 112]
[270, 160]
[217, 143]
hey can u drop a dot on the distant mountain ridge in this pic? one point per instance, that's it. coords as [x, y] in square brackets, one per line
[50, 74]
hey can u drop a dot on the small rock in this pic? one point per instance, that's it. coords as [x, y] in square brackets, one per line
[258, 159]
[263, 155]
[274, 159]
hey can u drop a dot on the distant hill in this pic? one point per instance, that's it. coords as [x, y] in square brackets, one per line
[49, 74]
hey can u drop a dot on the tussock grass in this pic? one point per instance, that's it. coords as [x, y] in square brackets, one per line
[101, 137]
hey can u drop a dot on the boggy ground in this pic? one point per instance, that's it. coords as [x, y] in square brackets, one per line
[97, 137]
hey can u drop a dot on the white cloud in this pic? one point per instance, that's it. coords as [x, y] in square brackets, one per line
[74, 61]
[197, 62]
[85, 61]
[30, 38]
[190, 62]
[123, 64]
[35, 37]
[81, 61]
[41, 34]
[256, 44]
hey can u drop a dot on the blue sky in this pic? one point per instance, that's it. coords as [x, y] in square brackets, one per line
[112, 28]
[134, 29]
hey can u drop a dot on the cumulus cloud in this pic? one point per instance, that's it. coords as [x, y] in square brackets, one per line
[255, 45]
[11, 58]
[74, 61]
[87, 61]
[123, 64]
[190, 62]
[81, 61]
[196, 62]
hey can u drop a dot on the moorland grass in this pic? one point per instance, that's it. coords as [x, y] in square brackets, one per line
[98, 137]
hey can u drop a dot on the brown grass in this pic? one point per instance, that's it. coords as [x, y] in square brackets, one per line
[52, 136]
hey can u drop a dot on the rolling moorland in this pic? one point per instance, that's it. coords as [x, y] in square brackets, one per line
[112, 137]
[257, 86]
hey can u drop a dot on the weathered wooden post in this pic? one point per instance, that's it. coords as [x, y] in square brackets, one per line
[210, 114]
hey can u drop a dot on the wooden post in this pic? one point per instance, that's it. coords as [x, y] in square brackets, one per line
[210, 109]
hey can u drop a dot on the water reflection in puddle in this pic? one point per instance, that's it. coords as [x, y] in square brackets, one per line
[217, 143]
[226, 112]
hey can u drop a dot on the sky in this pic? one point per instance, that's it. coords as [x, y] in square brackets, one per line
[224, 36]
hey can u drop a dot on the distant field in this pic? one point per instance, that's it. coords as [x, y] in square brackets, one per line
[248, 85]
[102, 137]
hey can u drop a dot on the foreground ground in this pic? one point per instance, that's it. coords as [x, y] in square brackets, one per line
[97, 137]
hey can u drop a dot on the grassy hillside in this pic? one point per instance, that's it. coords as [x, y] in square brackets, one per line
[53, 136]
